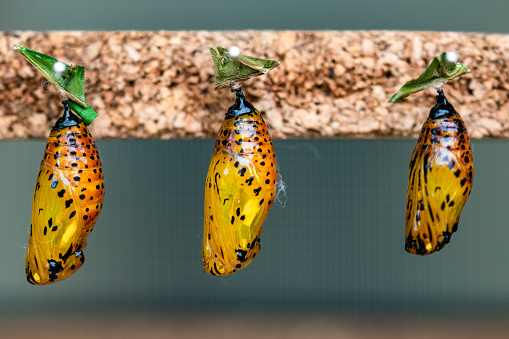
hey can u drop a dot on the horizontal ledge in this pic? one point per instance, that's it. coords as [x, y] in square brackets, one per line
[330, 83]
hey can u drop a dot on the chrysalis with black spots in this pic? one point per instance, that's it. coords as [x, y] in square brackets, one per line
[440, 180]
[67, 201]
[240, 190]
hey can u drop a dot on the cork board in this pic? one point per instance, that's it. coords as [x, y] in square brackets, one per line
[160, 85]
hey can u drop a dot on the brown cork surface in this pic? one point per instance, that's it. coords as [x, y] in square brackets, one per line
[329, 84]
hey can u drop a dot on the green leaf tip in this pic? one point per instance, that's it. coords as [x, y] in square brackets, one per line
[441, 70]
[87, 114]
[69, 79]
[237, 68]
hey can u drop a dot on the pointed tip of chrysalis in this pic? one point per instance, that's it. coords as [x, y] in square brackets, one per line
[68, 119]
[442, 107]
[441, 95]
[241, 106]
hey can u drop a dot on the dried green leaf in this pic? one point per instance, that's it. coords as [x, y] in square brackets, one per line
[86, 113]
[230, 69]
[438, 73]
[67, 78]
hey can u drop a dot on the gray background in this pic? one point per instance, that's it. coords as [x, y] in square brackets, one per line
[337, 245]
[466, 15]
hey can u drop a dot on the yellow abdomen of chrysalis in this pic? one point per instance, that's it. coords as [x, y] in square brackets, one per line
[67, 201]
[240, 189]
[440, 180]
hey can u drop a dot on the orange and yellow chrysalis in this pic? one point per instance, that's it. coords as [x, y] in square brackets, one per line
[240, 189]
[67, 201]
[440, 180]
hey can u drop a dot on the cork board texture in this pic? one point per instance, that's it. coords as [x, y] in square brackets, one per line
[160, 85]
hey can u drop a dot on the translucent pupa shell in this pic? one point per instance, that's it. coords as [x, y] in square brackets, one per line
[440, 180]
[240, 189]
[67, 201]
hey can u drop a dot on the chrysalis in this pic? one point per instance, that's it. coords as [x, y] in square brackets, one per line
[240, 189]
[440, 180]
[67, 201]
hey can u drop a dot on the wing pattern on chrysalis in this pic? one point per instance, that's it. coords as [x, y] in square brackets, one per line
[240, 189]
[440, 180]
[67, 201]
